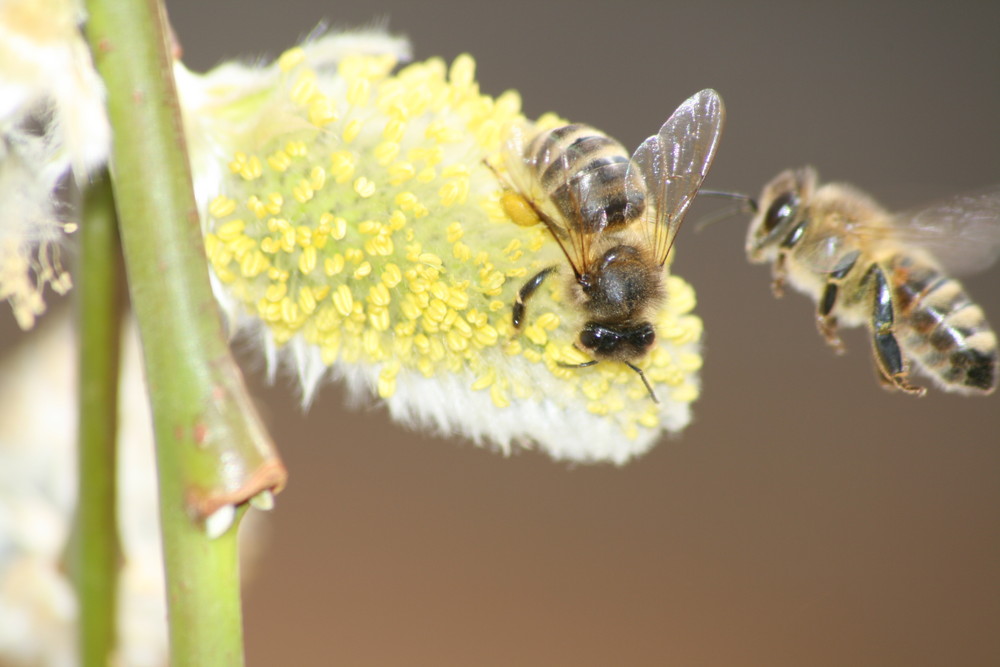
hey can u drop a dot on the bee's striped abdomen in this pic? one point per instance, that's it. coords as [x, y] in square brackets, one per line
[583, 172]
[944, 331]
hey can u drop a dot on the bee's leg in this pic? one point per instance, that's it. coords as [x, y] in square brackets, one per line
[888, 357]
[778, 272]
[826, 321]
[526, 291]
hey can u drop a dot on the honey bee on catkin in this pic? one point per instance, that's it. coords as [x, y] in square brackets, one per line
[614, 216]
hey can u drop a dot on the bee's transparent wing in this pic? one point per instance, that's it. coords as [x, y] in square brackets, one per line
[671, 165]
[962, 232]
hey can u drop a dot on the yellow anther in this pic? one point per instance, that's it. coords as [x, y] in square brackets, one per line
[333, 265]
[343, 300]
[378, 295]
[391, 275]
[338, 229]
[364, 269]
[463, 71]
[400, 172]
[322, 110]
[358, 92]
[386, 152]
[351, 130]
[304, 87]
[364, 187]
[307, 260]
[291, 59]
[221, 206]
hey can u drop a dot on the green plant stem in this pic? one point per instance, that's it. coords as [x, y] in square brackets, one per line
[212, 451]
[96, 554]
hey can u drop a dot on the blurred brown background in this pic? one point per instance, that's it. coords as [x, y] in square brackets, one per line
[806, 517]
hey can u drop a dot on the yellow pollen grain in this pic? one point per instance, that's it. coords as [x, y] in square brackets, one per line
[343, 300]
[485, 336]
[457, 298]
[499, 396]
[221, 206]
[230, 231]
[400, 172]
[379, 319]
[454, 192]
[274, 202]
[426, 175]
[463, 71]
[548, 321]
[279, 161]
[430, 259]
[393, 130]
[302, 191]
[536, 334]
[275, 292]
[461, 252]
[363, 270]
[436, 311]
[358, 92]
[369, 226]
[351, 130]
[496, 305]
[386, 152]
[485, 380]
[442, 133]
[317, 177]
[378, 295]
[338, 228]
[296, 148]
[304, 87]
[391, 276]
[456, 342]
[322, 110]
[333, 265]
[386, 384]
[364, 187]
[289, 312]
[291, 59]
[411, 309]
[397, 220]
[453, 232]
[354, 255]
[342, 165]
[256, 206]
[307, 260]
[306, 300]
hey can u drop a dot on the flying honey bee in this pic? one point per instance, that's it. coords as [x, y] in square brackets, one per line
[614, 217]
[864, 266]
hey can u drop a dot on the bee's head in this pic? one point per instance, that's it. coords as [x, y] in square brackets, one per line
[779, 208]
[625, 344]
[606, 341]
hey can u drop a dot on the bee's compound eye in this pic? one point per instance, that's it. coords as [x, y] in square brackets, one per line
[781, 210]
[647, 336]
[590, 337]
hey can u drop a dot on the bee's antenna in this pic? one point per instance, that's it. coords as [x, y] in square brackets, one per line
[747, 204]
[649, 387]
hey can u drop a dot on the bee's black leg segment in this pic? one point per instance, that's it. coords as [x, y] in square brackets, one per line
[583, 365]
[888, 357]
[526, 291]
[649, 387]
[826, 322]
